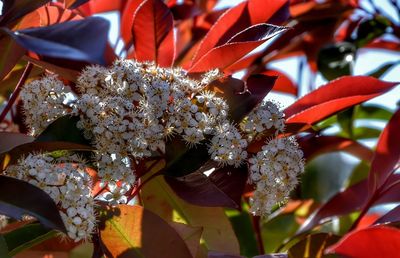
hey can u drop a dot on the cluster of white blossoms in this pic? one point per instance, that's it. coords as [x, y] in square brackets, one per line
[274, 171]
[130, 109]
[67, 183]
[44, 101]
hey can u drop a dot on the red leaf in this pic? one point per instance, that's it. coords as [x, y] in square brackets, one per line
[50, 15]
[387, 154]
[235, 48]
[349, 200]
[283, 82]
[335, 96]
[127, 20]
[316, 145]
[101, 6]
[239, 18]
[153, 35]
[384, 44]
[14, 10]
[369, 243]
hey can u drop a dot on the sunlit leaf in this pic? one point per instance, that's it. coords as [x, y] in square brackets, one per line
[239, 18]
[153, 34]
[387, 155]
[334, 97]
[236, 47]
[218, 234]
[132, 231]
[371, 242]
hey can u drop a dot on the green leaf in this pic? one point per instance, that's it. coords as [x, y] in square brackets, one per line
[3, 248]
[345, 120]
[218, 233]
[63, 129]
[242, 225]
[24, 238]
[379, 72]
[324, 177]
[373, 112]
[278, 229]
[18, 198]
[312, 246]
[360, 172]
[371, 29]
[336, 60]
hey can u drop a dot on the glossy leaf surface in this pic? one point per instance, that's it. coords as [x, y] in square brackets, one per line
[132, 231]
[71, 40]
[334, 97]
[18, 198]
[369, 242]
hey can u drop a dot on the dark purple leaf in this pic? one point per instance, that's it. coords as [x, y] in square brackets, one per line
[241, 97]
[18, 198]
[15, 9]
[83, 40]
[11, 140]
[393, 216]
[222, 188]
[76, 3]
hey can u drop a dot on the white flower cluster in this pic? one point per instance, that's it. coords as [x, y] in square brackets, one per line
[274, 171]
[43, 102]
[3, 221]
[66, 182]
[131, 109]
[266, 116]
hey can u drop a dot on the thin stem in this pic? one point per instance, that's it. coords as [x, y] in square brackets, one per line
[17, 90]
[257, 230]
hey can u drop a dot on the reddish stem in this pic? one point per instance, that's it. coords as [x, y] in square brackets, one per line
[17, 90]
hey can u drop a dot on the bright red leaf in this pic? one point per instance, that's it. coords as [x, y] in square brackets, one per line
[387, 154]
[239, 18]
[335, 96]
[153, 35]
[238, 46]
[313, 146]
[127, 20]
[369, 243]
